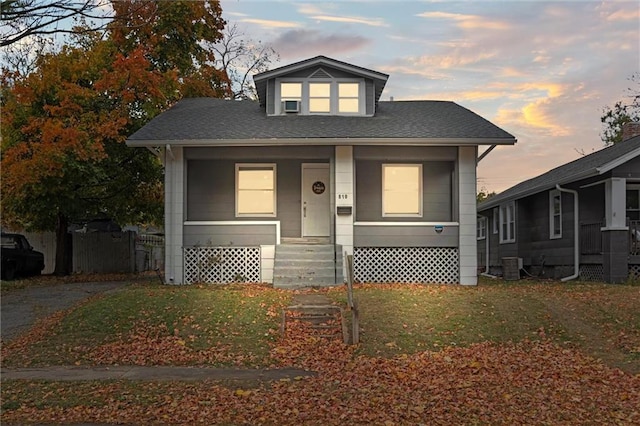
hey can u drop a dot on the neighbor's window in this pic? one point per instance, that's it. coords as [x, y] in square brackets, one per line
[319, 97]
[255, 189]
[508, 223]
[555, 214]
[633, 202]
[348, 97]
[402, 190]
[495, 218]
[481, 228]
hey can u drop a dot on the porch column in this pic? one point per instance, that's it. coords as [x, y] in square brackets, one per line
[345, 196]
[467, 215]
[615, 234]
[173, 215]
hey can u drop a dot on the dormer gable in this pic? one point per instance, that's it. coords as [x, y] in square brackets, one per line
[320, 86]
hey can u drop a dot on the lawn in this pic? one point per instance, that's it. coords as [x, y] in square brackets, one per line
[529, 352]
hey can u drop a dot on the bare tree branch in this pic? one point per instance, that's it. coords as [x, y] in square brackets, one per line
[25, 18]
[239, 57]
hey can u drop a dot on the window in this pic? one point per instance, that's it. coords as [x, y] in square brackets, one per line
[507, 223]
[319, 97]
[633, 202]
[291, 96]
[402, 190]
[481, 228]
[555, 214]
[255, 189]
[348, 97]
[495, 218]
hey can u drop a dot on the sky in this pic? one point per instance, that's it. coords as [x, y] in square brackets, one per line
[542, 71]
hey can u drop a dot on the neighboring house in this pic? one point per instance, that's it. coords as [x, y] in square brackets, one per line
[278, 190]
[581, 219]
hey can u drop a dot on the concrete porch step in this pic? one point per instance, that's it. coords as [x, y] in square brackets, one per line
[304, 265]
[306, 248]
[306, 240]
[325, 319]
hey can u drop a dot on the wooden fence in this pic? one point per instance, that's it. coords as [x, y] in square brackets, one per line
[104, 252]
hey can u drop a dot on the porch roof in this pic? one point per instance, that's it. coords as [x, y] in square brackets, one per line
[218, 122]
[594, 164]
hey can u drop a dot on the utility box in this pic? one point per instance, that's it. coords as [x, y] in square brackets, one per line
[511, 268]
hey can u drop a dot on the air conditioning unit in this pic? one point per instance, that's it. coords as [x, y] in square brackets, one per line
[291, 106]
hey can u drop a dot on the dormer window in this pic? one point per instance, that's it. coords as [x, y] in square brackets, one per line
[320, 86]
[291, 95]
[321, 97]
[348, 97]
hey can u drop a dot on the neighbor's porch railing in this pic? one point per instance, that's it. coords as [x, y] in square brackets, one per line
[634, 237]
[591, 237]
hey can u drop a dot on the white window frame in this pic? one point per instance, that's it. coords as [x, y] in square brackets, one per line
[334, 99]
[257, 166]
[327, 98]
[553, 214]
[508, 222]
[420, 190]
[339, 98]
[496, 220]
[481, 228]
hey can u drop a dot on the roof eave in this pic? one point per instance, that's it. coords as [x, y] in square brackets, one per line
[323, 141]
[319, 60]
[491, 203]
[618, 161]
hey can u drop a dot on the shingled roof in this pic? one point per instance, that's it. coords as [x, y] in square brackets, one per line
[591, 165]
[218, 122]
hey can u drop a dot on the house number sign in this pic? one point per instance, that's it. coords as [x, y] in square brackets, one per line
[318, 187]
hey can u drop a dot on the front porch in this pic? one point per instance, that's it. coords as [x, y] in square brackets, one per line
[596, 244]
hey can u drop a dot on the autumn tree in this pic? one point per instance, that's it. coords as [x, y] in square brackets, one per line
[174, 36]
[63, 155]
[622, 112]
[65, 123]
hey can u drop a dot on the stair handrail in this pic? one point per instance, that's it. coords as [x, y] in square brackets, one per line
[351, 301]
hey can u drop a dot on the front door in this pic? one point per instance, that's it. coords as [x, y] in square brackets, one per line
[316, 207]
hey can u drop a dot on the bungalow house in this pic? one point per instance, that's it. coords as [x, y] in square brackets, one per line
[278, 190]
[579, 220]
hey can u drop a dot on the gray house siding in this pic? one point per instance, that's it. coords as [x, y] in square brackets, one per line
[438, 169]
[629, 170]
[535, 245]
[404, 236]
[437, 198]
[370, 97]
[228, 235]
[271, 94]
[307, 72]
[210, 191]
[592, 204]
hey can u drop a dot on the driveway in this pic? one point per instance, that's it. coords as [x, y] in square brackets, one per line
[20, 309]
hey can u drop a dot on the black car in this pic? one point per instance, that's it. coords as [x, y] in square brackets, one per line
[19, 259]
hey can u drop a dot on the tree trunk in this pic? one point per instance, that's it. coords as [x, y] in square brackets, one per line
[63, 246]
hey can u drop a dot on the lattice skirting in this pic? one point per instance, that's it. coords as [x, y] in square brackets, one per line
[592, 272]
[221, 264]
[406, 264]
[634, 272]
